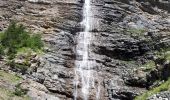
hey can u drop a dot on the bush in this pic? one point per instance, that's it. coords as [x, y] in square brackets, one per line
[34, 42]
[11, 63]
[23, 68]
[164, 54]
[150, 65]
[16, 37]
[11, 56]
[19, 91]
[1, 50]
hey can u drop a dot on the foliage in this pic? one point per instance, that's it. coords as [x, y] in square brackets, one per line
[135, 31]
[1, 46]
[1, 50]
[21, 67]
[167, 55]
[34, 42]
[19, 91]
[163, 87]
[16, 37]
[11, 63]
[149, 66]
[164, 54]
[7, 94]
[12, 78]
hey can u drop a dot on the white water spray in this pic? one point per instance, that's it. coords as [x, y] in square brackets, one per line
[84, 73]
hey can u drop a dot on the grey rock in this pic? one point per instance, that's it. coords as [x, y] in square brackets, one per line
[160, 96]
[37, 91]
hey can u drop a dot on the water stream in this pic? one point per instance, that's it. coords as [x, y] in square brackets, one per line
[84, 73]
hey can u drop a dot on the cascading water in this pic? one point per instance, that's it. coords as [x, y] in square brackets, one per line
[84, 73]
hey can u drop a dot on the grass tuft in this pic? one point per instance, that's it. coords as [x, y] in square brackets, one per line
[148, 66]
[11, 78]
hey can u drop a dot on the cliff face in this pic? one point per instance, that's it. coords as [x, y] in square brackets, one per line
[118, 45]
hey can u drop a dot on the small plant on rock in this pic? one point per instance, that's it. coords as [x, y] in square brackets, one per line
[138, 32]
[19, 91]
[149, 66]
[1, 50]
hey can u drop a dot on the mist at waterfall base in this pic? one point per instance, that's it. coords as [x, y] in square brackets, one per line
[84, 73]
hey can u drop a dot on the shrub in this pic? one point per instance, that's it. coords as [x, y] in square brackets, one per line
[34, 42]
[16, 37]
[1, 50]
[149, 66]
[1, 46]
[23, 68]
[12, 37]
[11, 63]
[11, 56]
[164, 54]
[19, 91]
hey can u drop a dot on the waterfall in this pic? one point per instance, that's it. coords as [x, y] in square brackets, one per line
[84, 73]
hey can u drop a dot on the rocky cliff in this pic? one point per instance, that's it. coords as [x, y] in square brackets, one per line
[125, 35]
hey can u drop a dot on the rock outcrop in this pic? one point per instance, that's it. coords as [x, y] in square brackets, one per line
[160, 96]
[123, 31]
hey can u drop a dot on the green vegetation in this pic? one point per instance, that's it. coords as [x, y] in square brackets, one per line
[19, 91]
[138, 32]
[165, 55]
[162, 54]
[21, 67]
[163, 87]
[16, 37]
[1, 50]
[11, 78]
[149, 66]
[6, 94]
